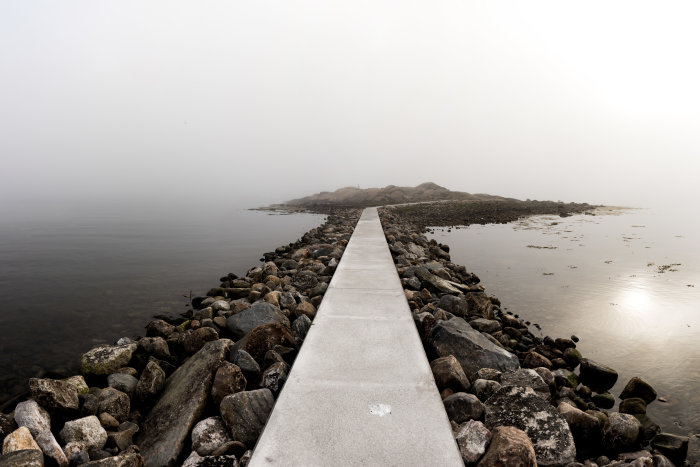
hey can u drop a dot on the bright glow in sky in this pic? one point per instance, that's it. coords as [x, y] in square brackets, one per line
[263, 101]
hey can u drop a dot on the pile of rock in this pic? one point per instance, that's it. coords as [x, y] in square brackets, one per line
[514, 398]
[197, 389]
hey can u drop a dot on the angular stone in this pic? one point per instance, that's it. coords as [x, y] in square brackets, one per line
[637, 387]
[19, 440]
[455, 305]
[263, 338]
[472, 439]
[48, 444]
[155, 346]
[672, 446]
[461, 407]
[274, 377]
[87, 431]
[78, 382]
[245, 414]
[633, 406]
[303, 280]
[448, 373]
[485, 388]
[208, 435]
[470, 347]
[115, 403]
[585, 428]
[300, 327]
[76, 453]
[7, 425]
[597, 376]
[23, 458]
[247, 364]
[123, 382]
[620, 432]
[509, 446]
[604, 400]
[150, 384]
[54, 394]
[260, 313]
[195, 340]
[521, 407]
[564, 377]
[106, 359]
[307, 309]
[229, 379]
[33, 416]
[483, 324]
[181, 404]
[525, 377]
[159, 328]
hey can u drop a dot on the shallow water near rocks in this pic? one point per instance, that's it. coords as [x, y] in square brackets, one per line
[627, 284]
[72, 281]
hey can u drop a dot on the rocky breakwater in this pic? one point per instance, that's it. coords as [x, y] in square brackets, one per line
[197, 389]
[514, 398]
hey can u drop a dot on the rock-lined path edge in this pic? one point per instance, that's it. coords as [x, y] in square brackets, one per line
[361, 390]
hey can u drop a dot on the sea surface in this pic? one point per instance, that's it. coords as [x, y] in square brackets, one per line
[77, 279]
[627, 283]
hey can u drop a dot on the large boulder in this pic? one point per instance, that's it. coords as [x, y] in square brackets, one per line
[106, 359]
[472, 439]
[525, 377]
[597, 376]
[246, 413]
[523, 408]
[87, 431]
[585, 428]
[260, 313]
[637, 387]
[509, 446]
[621, 432]
[470, 347]
[182, 402]
[54, 394]
[33, 416]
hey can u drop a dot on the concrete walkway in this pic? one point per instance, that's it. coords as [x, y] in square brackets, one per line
[361, 391]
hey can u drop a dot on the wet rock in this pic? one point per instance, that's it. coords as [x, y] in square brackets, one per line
[208, 435]
[181, 404]
[245, 414]
[115, 403]
[448, 373]
[23, 458]
[76, 453]
[259, 314]
[485, 388]
[54, 394]
[197, 338]
[472, 439]
[693, 457]
[31, 415]
[620, 432]
[633, 406]
[637, 387]
[649, 428]
[247, 364]
[585, 428]
[300, 327]
[509, 446]
[155, 346]
[525, 377]
[604, 400]
[461, 407]
[672, 446]
[19, 440]
[87, 431]
[521, 407]
[123, 382]
[263, 338]
[51, 449]
[229, 379]
[106, 359]
[662, 461]
[564, 377]
[159, 328]
[470, 347]
[150, 384]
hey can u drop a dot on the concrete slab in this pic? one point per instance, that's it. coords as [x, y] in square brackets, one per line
[361, 391]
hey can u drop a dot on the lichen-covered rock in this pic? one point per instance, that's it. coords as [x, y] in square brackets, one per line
[208, 435]
[54, 394]
[509, 446]
[23, 458]
[115, 403]
[78, 382]
[470, 347]
[472, 439]
[151, 383]
[461, 407]
[33, 416]
[87, 431]
[525, 377]
[485, 388]
[245, 414]
[106, 359]
[521, 407]
[19, 440]
[181, 404]
[621, 432]
[448, 373]
[48, 444]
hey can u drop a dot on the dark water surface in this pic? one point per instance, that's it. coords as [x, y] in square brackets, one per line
[628, 285]
[68, 282]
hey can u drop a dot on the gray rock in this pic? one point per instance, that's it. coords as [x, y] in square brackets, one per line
[488, 373]
[620, 432]
[525, 377]
[303, 280]
[300, 327]
[51, 448]
[106, 359]
[195, 340]
[123, 382]
[455, 305]
[23, 458]
[208, 435]
[54, 394]
[246, 363]
[159, 328]
[521, 407]
[182, 402]
[7, 426]
[485, 325]
[485, 388]
[119, 439]
[260, 313]
[221, 305]
[76, 453]
[274, 377]
[472, 439]
[115, 403]
[87, 431]
[155, 346]
[125, 459]
[33, 416]
[245, 414]
[470, 347]
[461, 407]
[672, 446]
[509, 446]
[150, 383]
[448, 373]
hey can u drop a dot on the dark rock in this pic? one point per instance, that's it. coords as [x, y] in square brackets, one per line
[448, 373]
[115, 403]
[245, 414]
[181, 404]
[488, 373]
[259, 314]
[195, 460]
[672, 446]
[305, 308]
[470, 347]
[127, 459]
[521, 407]
[455, 305]
[527, 378]
[274, 377]
[119, 439]
[197, 338]
[485, 325]
[106, 359]
[649, 428]
[150, 383]
[247, 364]
[123, 382]
[263, 338]
[229, 379]
[51, 449]
[509, 446]
[87, 431]
[461, 407]
[620, 432]
[22, 458]
[235, 448]
[604, 400]
[472, 439]
[637, 387]
[155, 346]
[572, 357]
[563, 343]
[76, 453]
[303, 280]
[208, 435]
[485, 388]
[7, 424]
[564, 377]
[159, 328]
[300, 327]
[596, 376]
[633, 406]
[585, 428]
[54, 394]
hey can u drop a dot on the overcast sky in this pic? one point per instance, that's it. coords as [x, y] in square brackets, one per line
[261, 101]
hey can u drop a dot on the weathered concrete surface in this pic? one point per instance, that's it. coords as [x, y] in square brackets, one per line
[361, 391]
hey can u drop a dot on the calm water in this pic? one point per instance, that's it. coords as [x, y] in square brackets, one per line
[602, 278]
[70, 281]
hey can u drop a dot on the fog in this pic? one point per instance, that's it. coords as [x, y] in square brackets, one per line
[245, 103]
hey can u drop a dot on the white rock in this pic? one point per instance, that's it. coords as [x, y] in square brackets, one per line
[33, 416]
[87, 430]
[208, 435]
